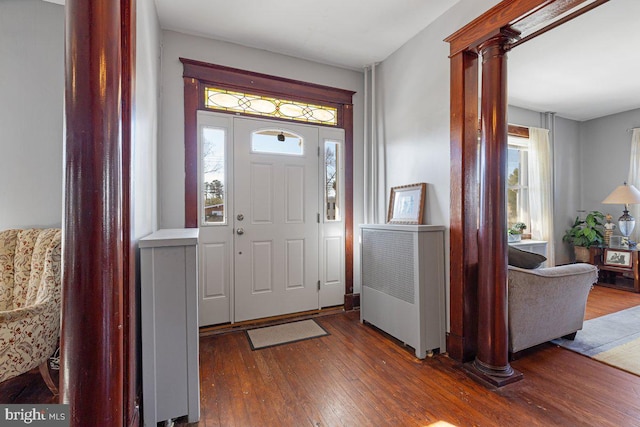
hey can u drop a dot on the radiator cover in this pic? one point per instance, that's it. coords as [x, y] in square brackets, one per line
[403, 285]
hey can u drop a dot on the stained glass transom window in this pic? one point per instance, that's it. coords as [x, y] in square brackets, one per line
[227, 100]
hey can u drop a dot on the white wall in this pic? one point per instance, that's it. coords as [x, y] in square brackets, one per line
[413, 111]
[145, 140]
[568, 185]
[31, 113]
[523, 117]
[606, 148]
[171, 147]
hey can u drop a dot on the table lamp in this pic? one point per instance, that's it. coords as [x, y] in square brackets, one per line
[624, 195]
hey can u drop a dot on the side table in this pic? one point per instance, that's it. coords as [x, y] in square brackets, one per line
[618, 268]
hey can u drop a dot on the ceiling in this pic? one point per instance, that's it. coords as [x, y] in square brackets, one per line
[346, 33]
[586, 68]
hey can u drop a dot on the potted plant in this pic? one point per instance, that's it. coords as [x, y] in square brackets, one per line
[515, 232]
[585, 233]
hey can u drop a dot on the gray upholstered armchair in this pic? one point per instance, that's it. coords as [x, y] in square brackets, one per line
[547, 303]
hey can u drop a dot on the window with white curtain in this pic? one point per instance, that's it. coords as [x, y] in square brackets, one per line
[530, 186]
[518, 182]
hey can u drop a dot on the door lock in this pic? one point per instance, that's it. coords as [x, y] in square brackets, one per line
[240, 217]
[240, 231]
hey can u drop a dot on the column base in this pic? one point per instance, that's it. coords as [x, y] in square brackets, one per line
[492, 376]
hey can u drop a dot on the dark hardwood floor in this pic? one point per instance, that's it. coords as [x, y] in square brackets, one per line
[28, 388]
[358, 376]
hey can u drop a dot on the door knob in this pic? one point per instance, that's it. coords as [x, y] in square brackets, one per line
[240, 231]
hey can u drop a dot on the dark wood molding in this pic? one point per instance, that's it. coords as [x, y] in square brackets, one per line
[93, 319]
[263, 84]
[491, 22]
[519, 131]
[464, 203]
[191, 106]
[522, 17]
[347, 121]
[132, 351]
[196, 74]
[549, 14]
[351, 301]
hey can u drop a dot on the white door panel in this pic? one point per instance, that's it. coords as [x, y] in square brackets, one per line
[215, 238]
[215, 262]
[332, 254]
[276, 254]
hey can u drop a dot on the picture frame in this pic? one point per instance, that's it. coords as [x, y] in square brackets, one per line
[406, 204]
[617, 258]
[619, 242]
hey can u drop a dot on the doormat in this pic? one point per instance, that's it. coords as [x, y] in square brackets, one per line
[271, 336]
[613, 339]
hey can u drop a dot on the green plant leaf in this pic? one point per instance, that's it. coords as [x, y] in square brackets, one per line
[587, 232]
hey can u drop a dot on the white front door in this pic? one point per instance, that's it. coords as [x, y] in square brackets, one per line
[261, 248]
[276, 208]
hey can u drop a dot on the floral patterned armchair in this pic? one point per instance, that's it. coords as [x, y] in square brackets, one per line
[30, 294]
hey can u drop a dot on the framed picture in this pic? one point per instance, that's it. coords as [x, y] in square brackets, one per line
[406, 205]
[619, 242]
[617, 258]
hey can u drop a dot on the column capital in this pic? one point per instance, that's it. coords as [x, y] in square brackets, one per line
[501, 40]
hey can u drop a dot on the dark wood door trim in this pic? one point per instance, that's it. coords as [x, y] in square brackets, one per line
[263, 84]
[196, 74]
[132, 349]
[523, 17]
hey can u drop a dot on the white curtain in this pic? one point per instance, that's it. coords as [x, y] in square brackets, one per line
[634, 179]
[541, 189]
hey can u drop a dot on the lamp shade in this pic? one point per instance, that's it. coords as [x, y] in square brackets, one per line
[623, 195]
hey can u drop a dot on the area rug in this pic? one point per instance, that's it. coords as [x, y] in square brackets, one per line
[613, 339]
[271, 336]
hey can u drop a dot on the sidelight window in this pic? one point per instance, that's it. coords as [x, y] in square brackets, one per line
[213, 167]
[332, 180]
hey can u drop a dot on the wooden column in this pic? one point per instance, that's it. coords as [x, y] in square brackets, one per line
[492, 358]
[463, 249]
[93, 318]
